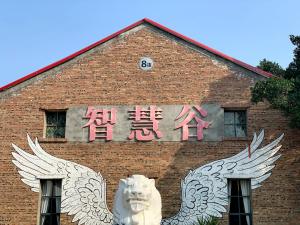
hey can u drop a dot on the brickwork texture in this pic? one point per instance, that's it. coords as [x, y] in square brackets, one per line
[109, 75]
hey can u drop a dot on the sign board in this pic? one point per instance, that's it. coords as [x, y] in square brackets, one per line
[145, 123]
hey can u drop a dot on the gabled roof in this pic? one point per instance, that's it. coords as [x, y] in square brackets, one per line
[151, 22]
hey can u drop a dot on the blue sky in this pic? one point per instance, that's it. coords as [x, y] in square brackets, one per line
[37, 33]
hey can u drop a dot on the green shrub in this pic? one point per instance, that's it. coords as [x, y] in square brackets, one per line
[210, 221]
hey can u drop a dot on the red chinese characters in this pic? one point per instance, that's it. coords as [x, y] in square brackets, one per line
[142, 123]
[191, 120]
[145, 124]
[100, 123]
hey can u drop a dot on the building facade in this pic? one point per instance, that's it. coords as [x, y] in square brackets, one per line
[145, 100]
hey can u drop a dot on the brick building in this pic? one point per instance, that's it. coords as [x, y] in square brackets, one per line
[143, 65]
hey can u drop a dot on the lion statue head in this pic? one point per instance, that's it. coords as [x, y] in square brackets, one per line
[137, 202]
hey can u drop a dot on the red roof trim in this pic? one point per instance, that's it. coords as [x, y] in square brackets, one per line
[178, 35]
[216, 52]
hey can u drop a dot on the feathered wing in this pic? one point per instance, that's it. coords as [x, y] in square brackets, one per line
[83, 190]
[204, 190]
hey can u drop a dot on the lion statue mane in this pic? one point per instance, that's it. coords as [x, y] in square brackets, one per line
[137, 202]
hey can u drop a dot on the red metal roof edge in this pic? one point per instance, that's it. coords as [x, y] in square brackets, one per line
[205, 47]
[153, 23]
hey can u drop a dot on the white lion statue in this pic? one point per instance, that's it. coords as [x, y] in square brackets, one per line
[137, 202]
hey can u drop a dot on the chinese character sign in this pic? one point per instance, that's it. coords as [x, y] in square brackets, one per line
[100, 123]
[145, 123]
[192, 120]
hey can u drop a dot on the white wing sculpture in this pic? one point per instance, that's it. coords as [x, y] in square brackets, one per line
[204, 190]
[83, 190]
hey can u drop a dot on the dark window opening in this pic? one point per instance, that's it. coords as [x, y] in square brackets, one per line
[239, 199]
[235, 123]
[55, 124]
[50, 202]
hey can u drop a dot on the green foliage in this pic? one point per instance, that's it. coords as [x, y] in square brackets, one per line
[293, 70]
[210, 221]
[293, 109]
[283, 92]
[271, 67]
[275, 90]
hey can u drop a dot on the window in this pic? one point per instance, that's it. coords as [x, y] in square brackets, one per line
[239, 202]
[50, 202]
[235, 123]
[55, 124]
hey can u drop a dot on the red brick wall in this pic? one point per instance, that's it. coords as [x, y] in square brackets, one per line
[110, 75]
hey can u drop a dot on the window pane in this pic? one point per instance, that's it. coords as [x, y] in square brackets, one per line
[51, 118]
[245, 220]
[240, 117]
[46, 220]
[50, 131]
[44, 205]
[56, 124]
[229, 131]
[47, 186]
[241, 130]
[234, 205]
[54, 205]
[246, 205]
[56, 187]
[234, 220]
[51, 188]
[245, 187]
[50, 203]
[240, 207]
[57, 222]
[61, 119]
[238, 122]
[50, 220]
[228, 117]
[234, 187]
[59, 132]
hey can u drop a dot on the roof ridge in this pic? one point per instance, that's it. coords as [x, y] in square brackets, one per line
[151, 22]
